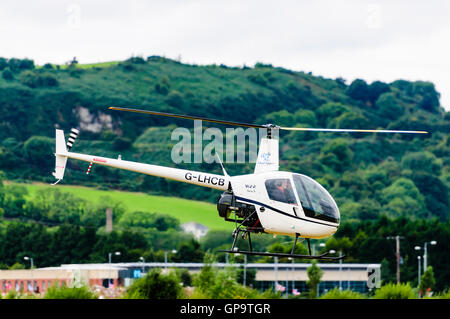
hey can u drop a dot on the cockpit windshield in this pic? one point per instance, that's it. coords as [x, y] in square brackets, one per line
[315, 200]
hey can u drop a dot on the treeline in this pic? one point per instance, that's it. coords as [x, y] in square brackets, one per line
[65, 244]
[365, 242]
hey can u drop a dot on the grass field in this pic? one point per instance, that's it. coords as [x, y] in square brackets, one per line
[182, 209]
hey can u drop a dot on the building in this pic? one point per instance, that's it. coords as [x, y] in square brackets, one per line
[196, 229]
[281, 276]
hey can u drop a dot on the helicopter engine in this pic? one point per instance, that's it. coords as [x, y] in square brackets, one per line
[227, 204]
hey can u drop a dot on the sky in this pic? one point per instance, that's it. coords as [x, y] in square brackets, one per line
[370, 40]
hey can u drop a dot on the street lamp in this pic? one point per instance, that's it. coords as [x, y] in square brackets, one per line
[425, 252]
[245, 269]
[276, 272]
[142, 260]
[165, 257]
[117, 253]
[31, 267]
[418, 270]
[31, 260]
[321, 245]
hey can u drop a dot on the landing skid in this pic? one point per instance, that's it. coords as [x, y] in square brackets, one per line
[246, 234]
[323, 256]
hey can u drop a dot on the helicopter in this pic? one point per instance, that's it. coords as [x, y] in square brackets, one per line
[266, 201]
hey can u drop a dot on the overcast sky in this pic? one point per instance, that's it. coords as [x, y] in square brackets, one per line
[372, 40]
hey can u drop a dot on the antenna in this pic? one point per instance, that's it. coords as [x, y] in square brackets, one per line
[221, 165]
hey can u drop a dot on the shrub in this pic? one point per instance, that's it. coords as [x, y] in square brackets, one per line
[155, 285]
[121, 143]
[82, 292]
[163, 86]
[395, 291]
[220, 284]
[33, 80]
[314, 275]
[342, 294]
[427, 281]
[174, 99]
[258, 79]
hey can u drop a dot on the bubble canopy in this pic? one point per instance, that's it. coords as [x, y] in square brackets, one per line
[315, 200]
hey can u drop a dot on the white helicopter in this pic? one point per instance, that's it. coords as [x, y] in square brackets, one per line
[266, 201]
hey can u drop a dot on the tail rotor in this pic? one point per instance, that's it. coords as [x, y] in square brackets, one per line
[72, 137]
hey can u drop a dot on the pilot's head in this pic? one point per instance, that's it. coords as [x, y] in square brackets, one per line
[281, 183]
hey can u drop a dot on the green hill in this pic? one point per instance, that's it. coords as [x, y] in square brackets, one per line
[369, 175]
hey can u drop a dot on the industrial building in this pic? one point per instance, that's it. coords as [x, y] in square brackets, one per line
[287, 277]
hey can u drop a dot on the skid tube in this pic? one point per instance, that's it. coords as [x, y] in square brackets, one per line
[323, 256]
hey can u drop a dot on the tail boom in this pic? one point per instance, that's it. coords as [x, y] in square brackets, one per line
[192, 177]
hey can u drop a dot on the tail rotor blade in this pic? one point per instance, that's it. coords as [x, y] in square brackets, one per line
[349, 130]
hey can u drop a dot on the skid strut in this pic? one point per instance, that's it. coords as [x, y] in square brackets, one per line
[234, 250]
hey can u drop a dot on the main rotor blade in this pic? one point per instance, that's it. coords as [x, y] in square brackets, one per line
[349, 130]
[189, 117]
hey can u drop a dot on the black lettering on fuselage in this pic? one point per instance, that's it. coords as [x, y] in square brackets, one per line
[205, 179]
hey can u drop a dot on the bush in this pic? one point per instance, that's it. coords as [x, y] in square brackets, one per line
[163, 86]
[213, 283]
[314, 275]
[64, 292]
[395, 291]
[174, 99]
[342, 294]
[155, 286]
[33, 80]
[121, 143]
[427, 281]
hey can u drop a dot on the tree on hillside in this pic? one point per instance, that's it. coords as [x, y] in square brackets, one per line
[358, 90]
[377, 88]
[388, 106]
[7, 74]
[337, 154]
[189, 252]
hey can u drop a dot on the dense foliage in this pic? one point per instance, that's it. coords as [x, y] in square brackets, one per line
[367, 174]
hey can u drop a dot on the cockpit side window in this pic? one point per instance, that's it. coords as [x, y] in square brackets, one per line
[281, 190]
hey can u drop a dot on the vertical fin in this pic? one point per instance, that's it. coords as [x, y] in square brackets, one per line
[267, 156]
[60, 156]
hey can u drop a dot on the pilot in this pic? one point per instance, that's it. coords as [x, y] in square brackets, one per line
[282, 192]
